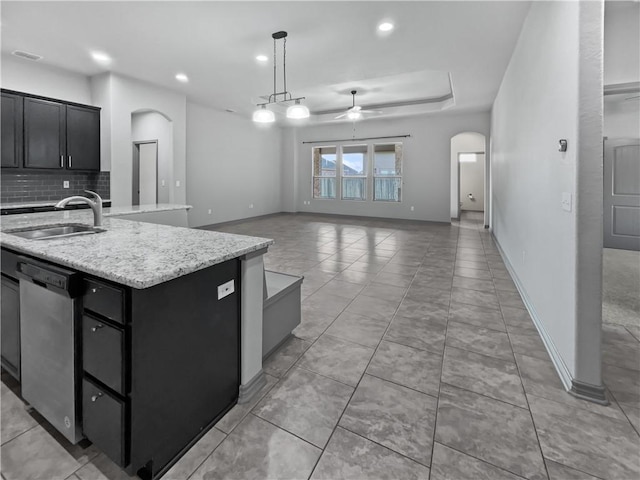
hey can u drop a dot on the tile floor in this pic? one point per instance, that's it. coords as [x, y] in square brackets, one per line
[415, 359]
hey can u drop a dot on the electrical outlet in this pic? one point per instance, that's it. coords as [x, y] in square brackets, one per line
[65, 184]
[251, 205]
[66, 214]
[162, 183]
[177, 183]
[412, 209]
[566, 201]
[209, 212]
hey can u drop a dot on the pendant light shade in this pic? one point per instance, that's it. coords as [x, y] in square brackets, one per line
[262, 115]
[297, 111]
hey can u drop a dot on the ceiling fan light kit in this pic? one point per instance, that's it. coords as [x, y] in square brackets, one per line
[297, 110]
[355, 112]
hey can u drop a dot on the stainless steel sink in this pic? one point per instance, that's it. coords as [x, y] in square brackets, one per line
[46, 232]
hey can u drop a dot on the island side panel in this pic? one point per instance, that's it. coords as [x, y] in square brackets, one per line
[185, 362]
[252, 300]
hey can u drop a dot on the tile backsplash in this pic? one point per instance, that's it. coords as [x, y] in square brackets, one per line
[31, 186]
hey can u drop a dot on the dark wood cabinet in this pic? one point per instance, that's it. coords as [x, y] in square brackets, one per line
[49, 134]
[149, 353]
[10, 315]
[12, 115]
[83, 138]
[44, 134]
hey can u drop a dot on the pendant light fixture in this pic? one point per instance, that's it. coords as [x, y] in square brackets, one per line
[295, 111]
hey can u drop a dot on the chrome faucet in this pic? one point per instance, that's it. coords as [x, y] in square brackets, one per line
[96, 205]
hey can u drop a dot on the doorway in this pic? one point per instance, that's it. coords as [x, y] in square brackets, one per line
[145, 173]
[469, 176]
[471, 170]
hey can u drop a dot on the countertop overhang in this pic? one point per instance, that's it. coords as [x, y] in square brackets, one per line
[135, 254]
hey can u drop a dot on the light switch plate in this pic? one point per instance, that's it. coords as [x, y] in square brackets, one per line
[65, 184]
[566, 201]
[226, 289]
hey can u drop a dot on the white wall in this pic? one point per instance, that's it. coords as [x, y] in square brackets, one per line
[426, 164]
[472, 182]
[552, 90]
[41, 79]
[231, 164]
[122, 96]
[621, 42]
[622, 117]
[153, 126]
[463, 142]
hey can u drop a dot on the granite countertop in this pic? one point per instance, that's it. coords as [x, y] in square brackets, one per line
[136, 254]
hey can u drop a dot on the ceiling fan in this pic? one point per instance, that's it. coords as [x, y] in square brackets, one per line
[355, 112]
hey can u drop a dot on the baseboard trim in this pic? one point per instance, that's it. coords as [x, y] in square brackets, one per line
[591, 393]
[249, 390]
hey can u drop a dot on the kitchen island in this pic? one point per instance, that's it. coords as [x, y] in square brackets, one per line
[165, 300]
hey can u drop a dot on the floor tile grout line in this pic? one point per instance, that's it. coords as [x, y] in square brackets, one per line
[360, 380]
[381, 445]
[481, 460]
[435, 420]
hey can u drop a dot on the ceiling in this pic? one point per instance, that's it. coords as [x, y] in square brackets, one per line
[332, 48]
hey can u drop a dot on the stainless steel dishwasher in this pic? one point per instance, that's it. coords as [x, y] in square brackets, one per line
[49, 340]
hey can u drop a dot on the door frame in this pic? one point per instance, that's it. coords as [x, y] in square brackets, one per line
[135, 165]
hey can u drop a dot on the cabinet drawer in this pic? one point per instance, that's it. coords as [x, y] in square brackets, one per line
[103, 421]
[104, 299]
[103, 350]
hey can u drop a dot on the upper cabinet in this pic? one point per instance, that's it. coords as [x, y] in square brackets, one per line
[53, 135]
[11, 130]
[83, 138]
[44, 134]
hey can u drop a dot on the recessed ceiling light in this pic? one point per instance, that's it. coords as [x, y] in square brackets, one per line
[385, 27]
[262, 58]
[101, 57]
[181, 77]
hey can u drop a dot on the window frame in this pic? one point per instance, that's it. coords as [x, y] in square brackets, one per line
[365, 177]
[399, 177]
[335, 177]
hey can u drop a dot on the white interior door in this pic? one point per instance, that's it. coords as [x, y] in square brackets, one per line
[148, 178]
[622, 194]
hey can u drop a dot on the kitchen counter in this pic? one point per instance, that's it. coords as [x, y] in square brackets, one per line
[135, 254]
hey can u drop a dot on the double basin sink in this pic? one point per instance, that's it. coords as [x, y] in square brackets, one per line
[47, 232]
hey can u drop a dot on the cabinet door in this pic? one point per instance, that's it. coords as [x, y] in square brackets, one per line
[10, 326]
[44, 134]
[83, 138]
[11, 130]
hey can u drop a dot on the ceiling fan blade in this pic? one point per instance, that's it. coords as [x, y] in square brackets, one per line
[340, 116]
[631, 98]
[372, 111]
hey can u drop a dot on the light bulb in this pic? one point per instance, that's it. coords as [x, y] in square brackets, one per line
[354, 115]
[297, 111]
[262, 115]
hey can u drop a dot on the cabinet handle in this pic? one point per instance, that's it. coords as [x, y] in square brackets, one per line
[61, 161]
[97, 327]
[96, 396]
[69, 161]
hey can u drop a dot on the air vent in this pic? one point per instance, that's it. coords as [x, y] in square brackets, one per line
[27, 55]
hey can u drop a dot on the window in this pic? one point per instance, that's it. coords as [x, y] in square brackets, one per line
[468, 157]
[354, 172]
[324, 172]
[387, 172]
